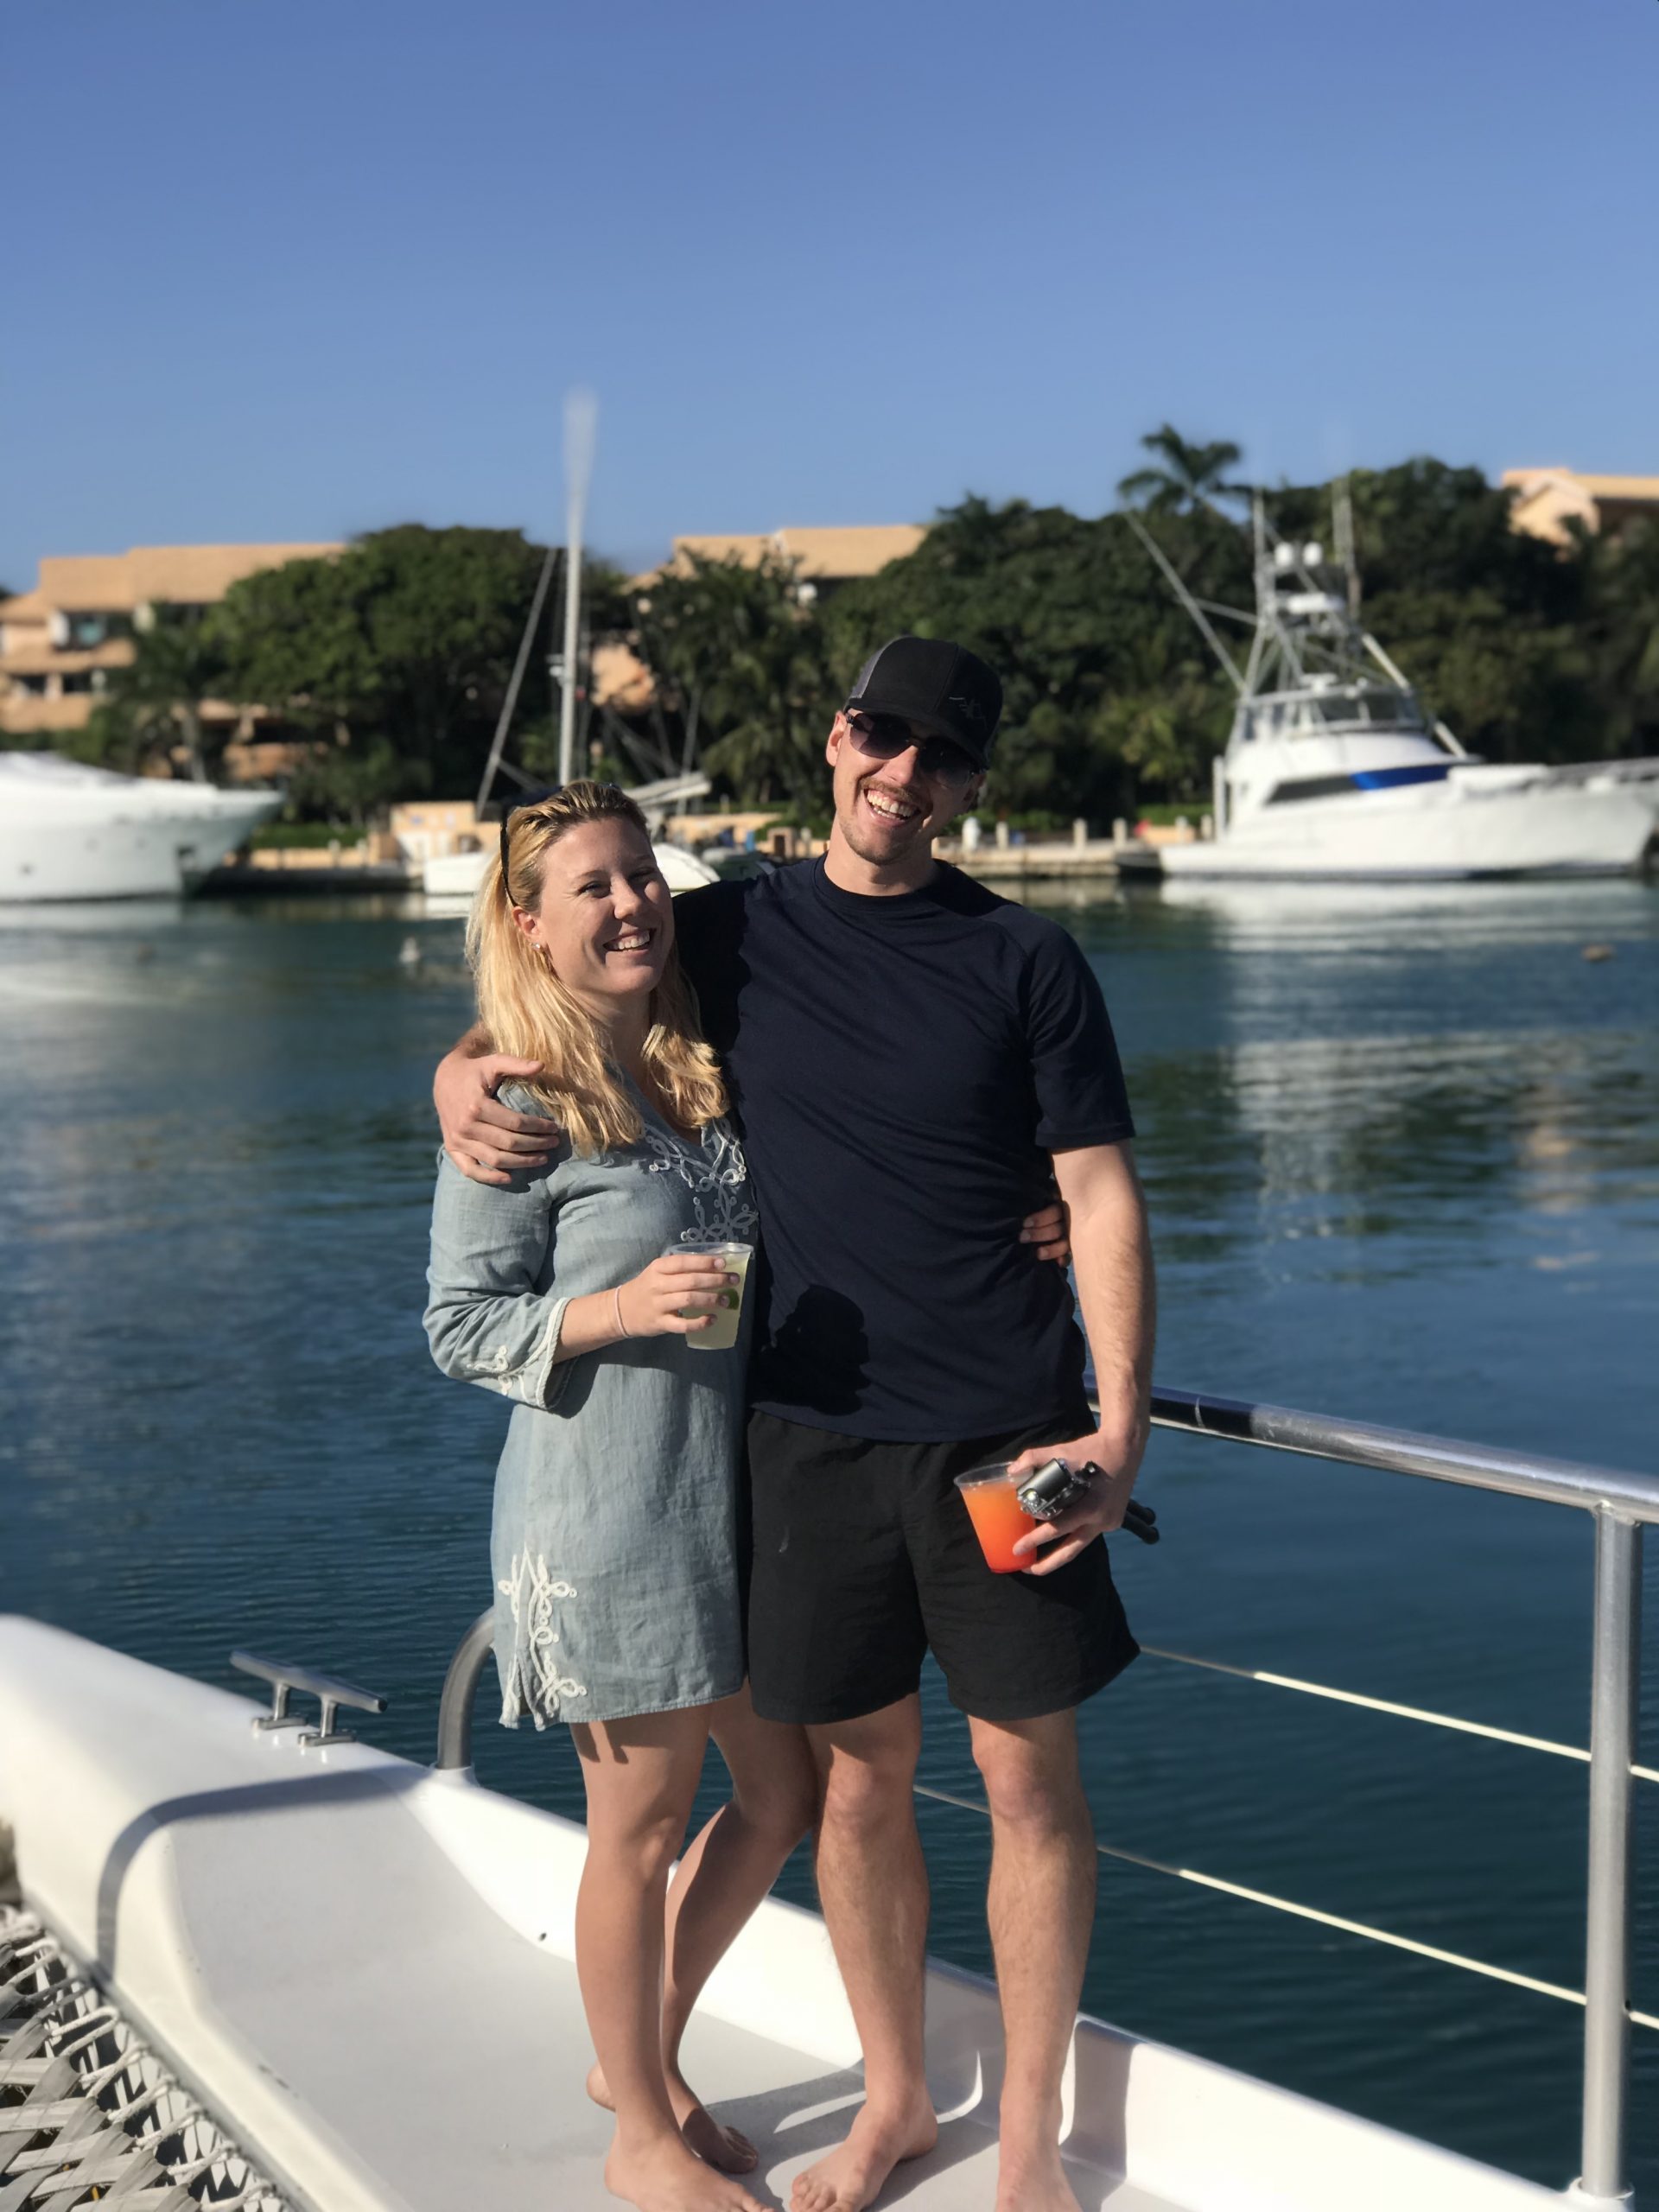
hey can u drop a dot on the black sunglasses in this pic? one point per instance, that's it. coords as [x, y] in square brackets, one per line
[884, 737]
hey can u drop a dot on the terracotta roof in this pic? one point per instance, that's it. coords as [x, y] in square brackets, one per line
[192, 575]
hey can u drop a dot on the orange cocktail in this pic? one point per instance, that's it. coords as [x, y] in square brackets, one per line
[990, 1495]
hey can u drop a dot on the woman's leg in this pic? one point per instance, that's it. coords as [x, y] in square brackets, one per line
[729, 1869]
[640, 1775]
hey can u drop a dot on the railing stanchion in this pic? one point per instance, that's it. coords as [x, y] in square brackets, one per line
[460, 1687]
[1613, 1699]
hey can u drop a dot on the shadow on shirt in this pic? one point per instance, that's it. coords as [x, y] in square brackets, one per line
[818, 1354]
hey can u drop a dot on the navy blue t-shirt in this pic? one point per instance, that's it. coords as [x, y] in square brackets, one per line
[901, 1068]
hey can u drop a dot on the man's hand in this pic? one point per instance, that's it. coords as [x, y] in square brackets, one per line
[1096, 1515]
[488, 1141]
[1049, 1231]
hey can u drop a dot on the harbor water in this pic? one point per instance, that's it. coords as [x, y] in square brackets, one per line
[1401, 1150]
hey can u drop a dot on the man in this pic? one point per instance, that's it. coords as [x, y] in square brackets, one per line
[913, 1059]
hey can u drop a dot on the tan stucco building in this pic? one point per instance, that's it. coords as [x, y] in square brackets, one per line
[59, 642]
[1547, 499]
[825, 558]
[822, 558]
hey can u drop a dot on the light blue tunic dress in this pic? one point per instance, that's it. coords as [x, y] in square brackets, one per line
[614, 1543]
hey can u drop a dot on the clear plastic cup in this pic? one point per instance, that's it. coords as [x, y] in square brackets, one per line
[720, 1335]
[990, 1495]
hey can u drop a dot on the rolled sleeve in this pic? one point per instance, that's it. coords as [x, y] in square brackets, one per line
[486, 1320]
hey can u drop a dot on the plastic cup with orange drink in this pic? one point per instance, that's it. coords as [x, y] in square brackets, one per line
[991, 1495]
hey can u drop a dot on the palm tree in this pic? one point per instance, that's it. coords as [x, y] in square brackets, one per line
[152, 709]
[1190, 476]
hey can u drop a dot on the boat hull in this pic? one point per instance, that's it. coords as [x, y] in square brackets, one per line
[364, 1969]
[1443, 831]
[79, 837]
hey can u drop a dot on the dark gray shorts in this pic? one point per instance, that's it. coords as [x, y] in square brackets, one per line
[864, 1559]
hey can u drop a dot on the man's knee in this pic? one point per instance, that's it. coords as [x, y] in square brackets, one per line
[1030, 1773]
[866, 1770]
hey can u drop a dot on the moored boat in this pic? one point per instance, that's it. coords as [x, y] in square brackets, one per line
[68, 831]
[1333, 770]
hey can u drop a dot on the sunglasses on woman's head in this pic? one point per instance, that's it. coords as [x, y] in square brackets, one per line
[525, 805]
[884, 737]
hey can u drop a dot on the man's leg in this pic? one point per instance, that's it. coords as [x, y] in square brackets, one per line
[1041, 1909]
[873, 1885]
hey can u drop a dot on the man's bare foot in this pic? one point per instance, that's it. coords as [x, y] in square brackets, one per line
[1033, 2180]
[727, 2148]
[664, 2177]
[856, 2173]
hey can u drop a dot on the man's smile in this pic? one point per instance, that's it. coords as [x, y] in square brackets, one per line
[890, 806]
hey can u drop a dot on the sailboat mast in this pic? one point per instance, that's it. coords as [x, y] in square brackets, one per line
[581, 416]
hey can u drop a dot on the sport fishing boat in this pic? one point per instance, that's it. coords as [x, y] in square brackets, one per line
[1333, 770]
[253, 1962]
[70, 831]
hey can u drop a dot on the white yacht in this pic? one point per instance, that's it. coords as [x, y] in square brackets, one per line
[1333, 770]
[70, 831]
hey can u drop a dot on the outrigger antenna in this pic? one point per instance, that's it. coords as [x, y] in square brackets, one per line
[1172, 577]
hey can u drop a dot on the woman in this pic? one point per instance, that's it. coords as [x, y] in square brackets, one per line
[614, 1546]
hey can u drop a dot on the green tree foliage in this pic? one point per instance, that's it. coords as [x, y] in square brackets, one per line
[151, 712]
[743, 662]
[1091, 648]
[395, 656]
[400, 649]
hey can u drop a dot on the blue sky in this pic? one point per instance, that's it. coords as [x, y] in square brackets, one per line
[290, 272]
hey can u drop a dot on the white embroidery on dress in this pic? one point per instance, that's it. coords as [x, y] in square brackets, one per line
[527, 1380]
[534, 1684]
[716, 1175]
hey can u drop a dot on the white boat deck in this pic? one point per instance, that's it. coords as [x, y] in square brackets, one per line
[365, 1971]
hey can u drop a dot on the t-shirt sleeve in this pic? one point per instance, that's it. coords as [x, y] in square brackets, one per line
[1075, 1073]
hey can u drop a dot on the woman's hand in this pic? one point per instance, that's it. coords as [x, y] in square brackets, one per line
[650, 1305]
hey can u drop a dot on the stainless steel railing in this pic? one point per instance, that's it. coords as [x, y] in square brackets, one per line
[1621, 1504]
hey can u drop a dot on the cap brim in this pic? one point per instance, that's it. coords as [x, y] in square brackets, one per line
[869, 702]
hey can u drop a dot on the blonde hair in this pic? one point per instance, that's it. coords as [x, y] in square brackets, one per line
[530, 1012]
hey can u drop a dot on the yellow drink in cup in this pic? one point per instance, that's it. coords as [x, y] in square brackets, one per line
[722, 1333]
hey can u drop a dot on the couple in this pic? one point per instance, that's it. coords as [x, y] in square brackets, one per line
[913, 1064]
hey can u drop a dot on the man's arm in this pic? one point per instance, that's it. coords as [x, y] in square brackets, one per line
[486, 1140]
[1111, 1258]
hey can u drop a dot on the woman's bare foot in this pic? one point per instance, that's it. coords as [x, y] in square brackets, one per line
[856, 2173]
[663, 2176]
[727, 2148]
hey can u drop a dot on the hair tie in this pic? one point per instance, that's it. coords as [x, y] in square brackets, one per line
[616, 1298]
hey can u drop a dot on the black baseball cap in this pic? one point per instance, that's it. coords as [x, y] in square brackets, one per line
[942, 688]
